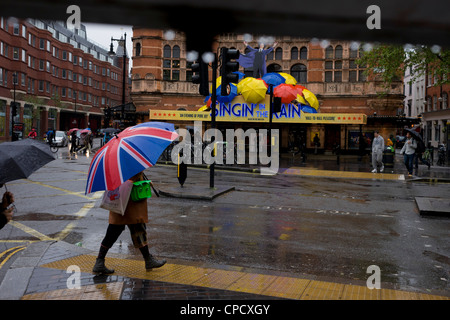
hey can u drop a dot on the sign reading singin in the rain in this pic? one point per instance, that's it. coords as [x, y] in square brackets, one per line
[241, 111]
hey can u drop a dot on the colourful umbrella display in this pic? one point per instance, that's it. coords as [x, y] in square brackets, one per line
[254, 90]
[286, 92]
[289, 79]
[130, 152]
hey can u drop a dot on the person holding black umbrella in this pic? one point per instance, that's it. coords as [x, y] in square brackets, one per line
[409, 151]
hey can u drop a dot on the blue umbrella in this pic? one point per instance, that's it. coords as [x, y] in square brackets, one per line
[308, 109]
[273, 78]
[229, 97]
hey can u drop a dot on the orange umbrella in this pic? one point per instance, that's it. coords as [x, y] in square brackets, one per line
[286, 92]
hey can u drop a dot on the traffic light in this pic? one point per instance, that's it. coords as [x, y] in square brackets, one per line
[228, 67]
[14, 109]
[200, 76]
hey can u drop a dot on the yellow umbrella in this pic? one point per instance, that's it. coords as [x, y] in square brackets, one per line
[204, 108]
[289, 79]
[311, 98]
[301, 100]
[254, 90]
[242, 83]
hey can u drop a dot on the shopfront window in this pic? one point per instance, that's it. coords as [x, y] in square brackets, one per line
[27, 118]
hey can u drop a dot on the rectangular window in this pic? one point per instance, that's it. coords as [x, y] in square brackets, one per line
[166, 74]
[338, 76]
[352, 76]
[16, 53]
[16, 29]
[24, 56]
[328, 76]
[362, 76]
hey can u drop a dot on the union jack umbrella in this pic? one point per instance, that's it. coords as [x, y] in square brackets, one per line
[130, 152]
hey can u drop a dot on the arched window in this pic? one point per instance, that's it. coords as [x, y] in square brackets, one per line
[294, 53]
[274, 67]
[329, 52]
[303, 53]
[176, 52]
[338, 52]
[298, 71]
[138, 49]
[278, 54]
[167, 52]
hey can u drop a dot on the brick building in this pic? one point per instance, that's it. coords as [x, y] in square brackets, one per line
[64, 80]
[161, 80]
[436, 113]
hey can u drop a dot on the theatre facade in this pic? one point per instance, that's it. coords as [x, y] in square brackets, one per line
[350, 103]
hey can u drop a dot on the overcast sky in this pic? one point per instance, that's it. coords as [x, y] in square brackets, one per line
[102, 33]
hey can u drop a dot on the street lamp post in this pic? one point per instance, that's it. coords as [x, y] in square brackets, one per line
[13, 135]
[111, 53]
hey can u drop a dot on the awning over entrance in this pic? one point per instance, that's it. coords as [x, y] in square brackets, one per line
[240, 111]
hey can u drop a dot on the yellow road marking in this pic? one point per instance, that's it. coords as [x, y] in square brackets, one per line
[9, 254]
[78, 194]
[30, 231]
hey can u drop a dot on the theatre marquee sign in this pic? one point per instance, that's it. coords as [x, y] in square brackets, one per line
[240, 111]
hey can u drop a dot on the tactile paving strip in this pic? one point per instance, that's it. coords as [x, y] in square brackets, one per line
[238, 281]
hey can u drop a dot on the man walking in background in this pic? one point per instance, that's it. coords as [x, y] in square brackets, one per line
[377, 152]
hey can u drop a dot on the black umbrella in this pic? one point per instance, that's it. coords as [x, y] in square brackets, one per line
[19, 159]
[414, 134]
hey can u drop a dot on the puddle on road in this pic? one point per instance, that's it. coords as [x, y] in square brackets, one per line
[42, 216]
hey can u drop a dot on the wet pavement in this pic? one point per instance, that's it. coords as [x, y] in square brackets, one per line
[309, 232]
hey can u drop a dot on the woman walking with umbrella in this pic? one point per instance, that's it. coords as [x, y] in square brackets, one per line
[123, 158]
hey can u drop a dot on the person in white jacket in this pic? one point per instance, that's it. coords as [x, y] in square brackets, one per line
[377, 152]
[409, 151]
